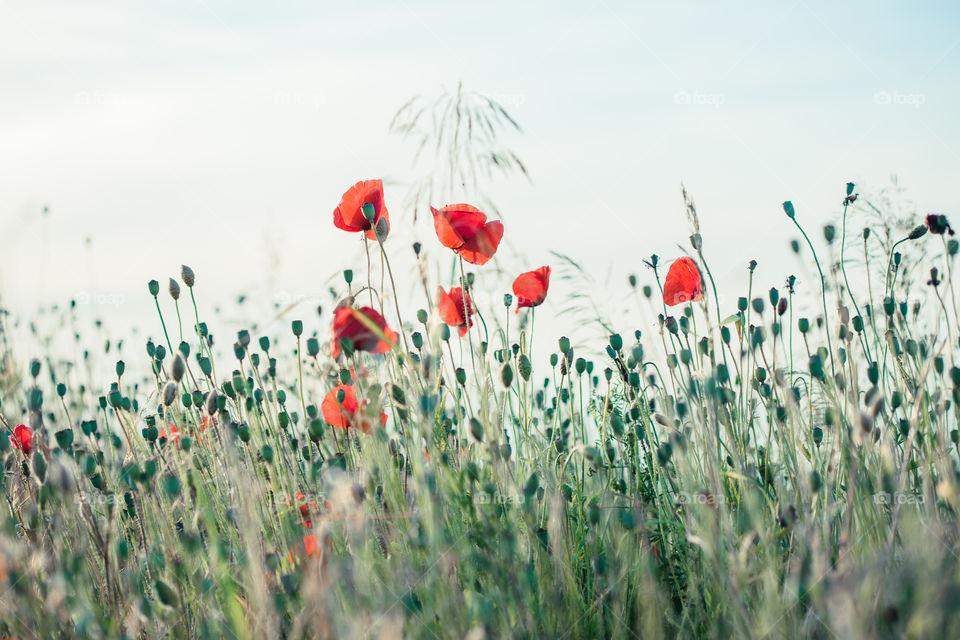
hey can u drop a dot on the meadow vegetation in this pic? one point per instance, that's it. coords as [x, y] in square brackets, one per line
[717, 470]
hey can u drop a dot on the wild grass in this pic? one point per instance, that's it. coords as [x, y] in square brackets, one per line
[743, 470]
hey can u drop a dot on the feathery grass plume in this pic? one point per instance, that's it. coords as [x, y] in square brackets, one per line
[460, 133]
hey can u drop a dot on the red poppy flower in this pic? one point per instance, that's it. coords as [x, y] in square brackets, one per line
[451, 309]
[349, 213]
[349, 413]
[305, 510]
[173, 434]
[683, 283]
[465, 229]
[356, 325]
[531, 287]
[22, 439]
[310, 545]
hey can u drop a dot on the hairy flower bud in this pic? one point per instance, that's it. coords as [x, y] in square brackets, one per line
[169, 394]
[186, 273]
[178, 368]
[174, 289]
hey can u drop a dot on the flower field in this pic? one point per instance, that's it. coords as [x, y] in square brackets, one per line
[779, 465]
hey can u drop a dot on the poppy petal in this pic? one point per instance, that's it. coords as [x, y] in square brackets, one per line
[455, 224]
[481, 247]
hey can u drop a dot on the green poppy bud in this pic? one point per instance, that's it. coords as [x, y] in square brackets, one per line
[506, 375]
[154, 287]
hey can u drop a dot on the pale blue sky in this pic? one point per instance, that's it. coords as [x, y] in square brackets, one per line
[221, 134]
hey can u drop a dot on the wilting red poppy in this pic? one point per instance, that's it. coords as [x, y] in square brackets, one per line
[349, 213]
[531, 287]
[450, 304]
[22, 439]
[348, 413]
[683, 283]
[465, 229]
[938, 224]
[355, 325]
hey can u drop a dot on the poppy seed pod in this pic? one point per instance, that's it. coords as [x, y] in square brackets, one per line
[178, 368]
[169, 394]
[186, 274]
[174, 289]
